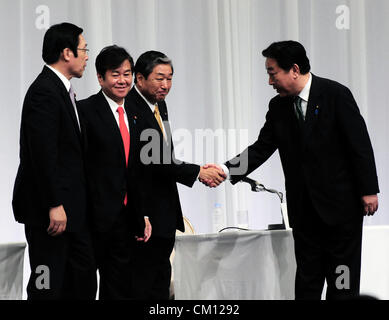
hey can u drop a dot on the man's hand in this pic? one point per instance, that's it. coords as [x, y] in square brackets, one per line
[58, 221]
[147, 232]
[212, 175]
[370, 204]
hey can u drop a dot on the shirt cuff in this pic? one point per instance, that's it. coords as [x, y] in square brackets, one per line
[226, 171]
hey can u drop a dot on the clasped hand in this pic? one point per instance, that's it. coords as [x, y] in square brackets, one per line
[58, 220]
[212, 175]
[370, 204]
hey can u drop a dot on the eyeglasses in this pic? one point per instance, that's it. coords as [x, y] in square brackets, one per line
[83, 49]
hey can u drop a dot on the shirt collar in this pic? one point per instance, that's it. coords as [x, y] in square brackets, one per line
[113, 105]
[304, 94]
[65, 80]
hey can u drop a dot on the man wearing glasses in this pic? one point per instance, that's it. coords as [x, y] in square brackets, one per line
[49, 194]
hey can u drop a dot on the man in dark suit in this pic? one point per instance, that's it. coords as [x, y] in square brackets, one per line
[152, 269]
[329, 167]
[114, 172]
[50, 190]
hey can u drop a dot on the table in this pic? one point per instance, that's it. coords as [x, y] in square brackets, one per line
[11, 270]
[235, 265]
[375, 262]
[260, 265]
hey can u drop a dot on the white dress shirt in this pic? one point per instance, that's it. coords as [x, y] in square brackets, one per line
[304, 95]
[114, 106]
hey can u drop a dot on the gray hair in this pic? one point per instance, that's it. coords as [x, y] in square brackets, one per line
[149, 60]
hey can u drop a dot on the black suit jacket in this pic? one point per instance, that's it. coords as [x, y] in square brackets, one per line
[107, 175]
[51, 170]
[164, 203]
[330, 156]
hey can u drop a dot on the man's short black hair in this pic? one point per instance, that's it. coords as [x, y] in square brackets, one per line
[111, 57]
[288, 53]
[57, 38]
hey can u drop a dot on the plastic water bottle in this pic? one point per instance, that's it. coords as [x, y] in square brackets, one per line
[219, 220]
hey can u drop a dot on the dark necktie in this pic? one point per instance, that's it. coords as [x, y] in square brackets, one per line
[299, 109]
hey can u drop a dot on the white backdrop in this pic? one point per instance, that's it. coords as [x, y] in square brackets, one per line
[219, 83]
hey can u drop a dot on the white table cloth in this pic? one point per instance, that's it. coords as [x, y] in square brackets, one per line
[261, 265]
[11, 270]
[235, 265]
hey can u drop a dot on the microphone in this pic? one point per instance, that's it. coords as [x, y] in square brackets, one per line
[249, 180]
[255, 185]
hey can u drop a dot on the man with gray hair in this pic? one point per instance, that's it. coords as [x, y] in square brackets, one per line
[152, 269]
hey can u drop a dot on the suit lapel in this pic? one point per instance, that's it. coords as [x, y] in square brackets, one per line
[109, 122]
[148, 115]
[294, 132]
[72, 112]
[134, 134]
[65, 96]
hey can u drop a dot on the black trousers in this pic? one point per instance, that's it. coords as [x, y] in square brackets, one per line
[327, 253]
[112, 253]
[62, 267]
[150, 269]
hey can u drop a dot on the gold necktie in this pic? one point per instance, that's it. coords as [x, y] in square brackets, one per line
[159, 120]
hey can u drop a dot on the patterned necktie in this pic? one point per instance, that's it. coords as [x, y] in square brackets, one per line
[125, 137]
[299, 109]
[157, 116]
[72, 98]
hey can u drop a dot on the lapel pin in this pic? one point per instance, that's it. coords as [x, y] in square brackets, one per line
[135, 118]
[316, 110]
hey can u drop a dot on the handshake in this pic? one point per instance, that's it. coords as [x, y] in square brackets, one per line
[212, 175]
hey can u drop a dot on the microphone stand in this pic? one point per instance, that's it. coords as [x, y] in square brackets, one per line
[258, 187]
